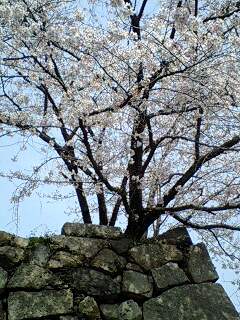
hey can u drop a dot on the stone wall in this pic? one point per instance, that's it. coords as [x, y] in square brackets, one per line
[94, 272]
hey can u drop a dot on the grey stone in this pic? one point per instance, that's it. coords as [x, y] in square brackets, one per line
[5, 238]
[176, 236]
[154, 255]
[19, 242]
[32, 277]
[10, 256]
[206, 301]
[200, 266]
[168, 275]
[93, 283]
[3, 279]
[23, 305]
[110, 311]
[40, 255]
[83, 247]
[121, 246]
[130, 310]
[109, 261]
[89, 308]
[136, 283]
[62, 259]
[91, 231]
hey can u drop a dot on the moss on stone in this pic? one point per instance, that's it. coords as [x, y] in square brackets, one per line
[34, 241]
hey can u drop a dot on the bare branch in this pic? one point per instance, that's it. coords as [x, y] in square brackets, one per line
[197, 165]
[225, 15]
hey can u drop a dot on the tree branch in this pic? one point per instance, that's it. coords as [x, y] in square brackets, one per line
[227, 14]
[198, 133]
[197, 165]
[197, 208]
[118, 203]
[205, 227]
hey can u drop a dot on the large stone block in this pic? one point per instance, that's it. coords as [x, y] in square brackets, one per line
[200, 266]
[178, 236]
[168, 275]
[25, 305]
[10, 256]
[137, 284]
[20, 242]
[63, 259]
[93, 283]
[83, 247]
[121, 245]
[91, 231]
[109, 261]
[129, 310]
[88, 308]
[191, 302]
[40, 255]
[109, 311]
[7, 239]
[32, 277]
[154, 255]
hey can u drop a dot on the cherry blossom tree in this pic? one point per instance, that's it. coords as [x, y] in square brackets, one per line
[137, 106]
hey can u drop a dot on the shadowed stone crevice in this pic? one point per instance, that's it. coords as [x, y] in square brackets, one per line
[95, 273]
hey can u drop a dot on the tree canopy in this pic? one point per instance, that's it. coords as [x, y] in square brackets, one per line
[137, 105]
